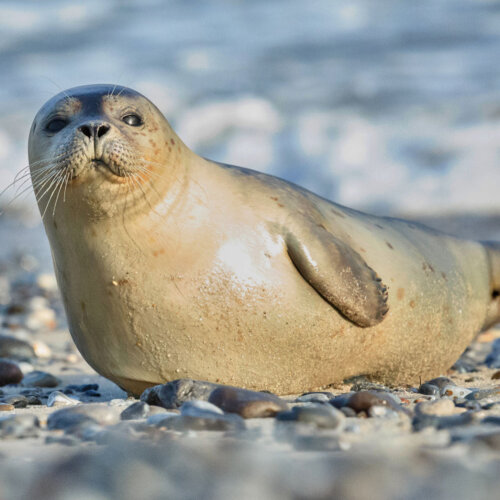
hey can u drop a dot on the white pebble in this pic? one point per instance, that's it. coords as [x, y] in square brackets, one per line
[58, 398]
[42, 350]
[200, 409]
[47, 282]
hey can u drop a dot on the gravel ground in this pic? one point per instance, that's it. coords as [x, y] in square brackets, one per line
[66, 432]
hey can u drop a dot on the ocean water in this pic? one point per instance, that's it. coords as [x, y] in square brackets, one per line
[391, 106]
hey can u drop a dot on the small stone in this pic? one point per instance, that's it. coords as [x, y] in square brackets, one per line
[348, 412]
[83, 388]
[92, 394]
[454, 391]
[13, 348]
[317, 414]
[483, 394]
[6, 407]
[151, 395]
[25, 367]
[135, 411]
[42, 350]
[341, 400]
[81, 415]
[364, 400]
[47, 282]
[40, 379]
[439, 408]
[19, 426]
[493, 358]
[33, 400]
[366, 385]
[215, 422]
[18, 401]
[246, 403]
[421, 420]
[496, 375]
[158, 419]
[440, 382]
[174, 394]
[378, 411]
[9, 373]
[58, 398]
[201, 409]
[429, 390]
[315, 397]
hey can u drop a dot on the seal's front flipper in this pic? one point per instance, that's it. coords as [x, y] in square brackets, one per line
[339, 274]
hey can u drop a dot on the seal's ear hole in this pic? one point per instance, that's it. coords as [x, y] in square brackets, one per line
[495, 294]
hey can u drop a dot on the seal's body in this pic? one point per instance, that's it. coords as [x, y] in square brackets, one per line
[174, 266]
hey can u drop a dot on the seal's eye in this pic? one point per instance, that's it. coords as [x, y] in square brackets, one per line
[132, 120]
[55, 125]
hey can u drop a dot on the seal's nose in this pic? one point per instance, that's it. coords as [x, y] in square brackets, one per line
[94, 130]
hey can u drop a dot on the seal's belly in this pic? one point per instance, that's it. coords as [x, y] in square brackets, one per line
[248, 318]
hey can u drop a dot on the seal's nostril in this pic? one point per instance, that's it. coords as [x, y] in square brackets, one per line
[101, 130]
[85, 130]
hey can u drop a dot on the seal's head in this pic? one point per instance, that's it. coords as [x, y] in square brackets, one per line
[96, 141]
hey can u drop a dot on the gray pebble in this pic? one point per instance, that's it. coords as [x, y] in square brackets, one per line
[483, 394]
[19, 426]
[348, 412]
[173, 394]
[200, 409]
[136, 411]
[40, 379]
[18, 401]
[429, 390]
[493, 358]
[230, 422]
[341, 400]
[13, 348]
[454, 391]
[81, 415]
[315, 397]
[319, 415]
[420, 421]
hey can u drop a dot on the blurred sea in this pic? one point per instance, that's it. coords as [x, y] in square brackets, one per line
[391, 106]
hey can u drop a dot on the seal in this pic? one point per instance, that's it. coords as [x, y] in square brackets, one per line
[172, 266]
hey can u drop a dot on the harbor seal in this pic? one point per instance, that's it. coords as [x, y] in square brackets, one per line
[171, 265]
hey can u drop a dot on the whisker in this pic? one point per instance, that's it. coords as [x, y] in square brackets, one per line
[55, 181]
[61, 184]
[68, 177]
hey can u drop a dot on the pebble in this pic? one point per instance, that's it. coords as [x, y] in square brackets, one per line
[18, 401]
[10, 373]
[200, 409]
[174, 394]
[58, 398]
[454, 391]
[83, 388]
[378, 411]
[13, 348]
[429, 386]
[483, 394]
[317, 414]
[42, 350]
[496, 375]
[214, 422]
[493, 358]
[348, 412]
[366, 385]
[158, 419]
[246, 403]
[364, 400]
[439, 408]
[421, 420]
[341, 400]
[25, 367]
[6, 407]
[19, 426]
[315, 397]
[136, 411]
[40, 379]
[75, 417]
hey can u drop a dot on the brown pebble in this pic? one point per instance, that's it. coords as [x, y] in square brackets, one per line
[4, 407]
[10, 373]
[364, 400]
[248, 404]
[496, 375]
